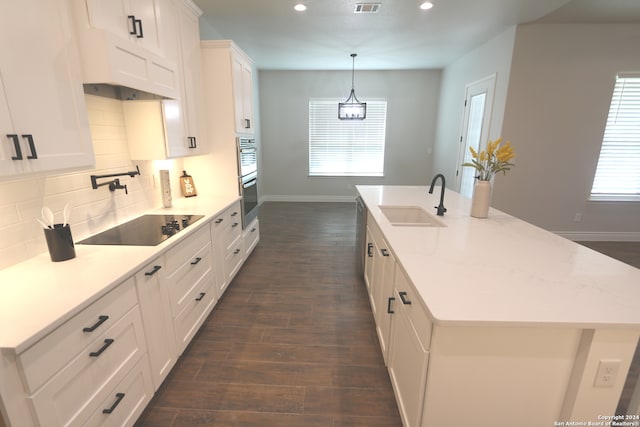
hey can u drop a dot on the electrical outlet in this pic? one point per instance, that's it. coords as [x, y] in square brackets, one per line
[577, 217]
[607, 372]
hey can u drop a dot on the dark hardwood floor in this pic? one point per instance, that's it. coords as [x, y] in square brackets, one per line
[292, 342]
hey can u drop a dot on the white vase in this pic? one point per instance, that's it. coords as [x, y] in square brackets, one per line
[481, 199]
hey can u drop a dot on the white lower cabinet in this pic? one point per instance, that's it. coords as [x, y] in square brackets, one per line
[226, 234]
[402, 325]
[250, 237]
[73, 393]
[190, 281]
[153, 296]
[408, 353]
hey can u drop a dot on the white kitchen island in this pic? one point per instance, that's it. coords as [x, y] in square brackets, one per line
[522, 327]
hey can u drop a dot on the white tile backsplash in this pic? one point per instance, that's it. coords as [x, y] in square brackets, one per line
[21, 200]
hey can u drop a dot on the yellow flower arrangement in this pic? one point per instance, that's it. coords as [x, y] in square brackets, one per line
[496, 158]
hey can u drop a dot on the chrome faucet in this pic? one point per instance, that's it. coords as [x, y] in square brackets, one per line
[441, 209]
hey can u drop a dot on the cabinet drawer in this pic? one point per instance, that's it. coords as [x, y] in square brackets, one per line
[233, 232]
[197, 306]
[126, 401]
[415, 312]
[85, 382]
[41, 361]
[184, 251]
[184, 281]
[233, 260]
[250, 237]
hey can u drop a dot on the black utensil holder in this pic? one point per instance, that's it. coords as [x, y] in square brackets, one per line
[60, 242]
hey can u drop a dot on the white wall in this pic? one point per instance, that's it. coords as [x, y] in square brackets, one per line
[562, 77]
[21, 200]
[489, 58]
[412, 101]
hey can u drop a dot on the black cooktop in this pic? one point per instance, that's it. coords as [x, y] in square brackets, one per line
[146, 230]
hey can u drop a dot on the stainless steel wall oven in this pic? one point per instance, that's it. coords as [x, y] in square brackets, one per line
[248, 178]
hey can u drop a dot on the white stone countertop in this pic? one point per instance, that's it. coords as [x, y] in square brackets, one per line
[502, 271]
[38, 295]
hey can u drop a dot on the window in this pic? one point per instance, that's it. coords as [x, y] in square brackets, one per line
[346, 147]
[618, 172]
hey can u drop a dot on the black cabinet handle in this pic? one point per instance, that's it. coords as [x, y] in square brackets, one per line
[136, 24]
[16, 146]
[32, 146]
[391, 299]
[202, 294]
[253, 230]
[370, 249]
[236, 252]
[106, 345]
[101, 320]
[234, 214]
[219, 220]
[119, 397]
[195, 261]
[384, 252]
[193, 143]
[404, 300]
[247, 123]
[154, 271]
[132, 19]
[235, 224]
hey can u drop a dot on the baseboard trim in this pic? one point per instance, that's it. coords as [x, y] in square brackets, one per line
[292, 198]
[597, 236]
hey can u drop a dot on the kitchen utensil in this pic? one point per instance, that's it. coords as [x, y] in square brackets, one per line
[47, 215]
[66, 214]
[42, 223]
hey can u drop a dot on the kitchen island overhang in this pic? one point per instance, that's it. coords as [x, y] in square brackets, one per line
[519, 314]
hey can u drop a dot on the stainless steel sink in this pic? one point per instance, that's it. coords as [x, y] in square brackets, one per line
[413, 216]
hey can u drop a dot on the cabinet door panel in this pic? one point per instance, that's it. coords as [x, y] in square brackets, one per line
[41, 77]
[407, 368]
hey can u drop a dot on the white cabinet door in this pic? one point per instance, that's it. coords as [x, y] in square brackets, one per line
[153, 297]
[407, 366]
[135, 20]
[43, 93]
[242, 94]
[192, 80]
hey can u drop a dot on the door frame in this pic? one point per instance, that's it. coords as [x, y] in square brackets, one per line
[487, 86]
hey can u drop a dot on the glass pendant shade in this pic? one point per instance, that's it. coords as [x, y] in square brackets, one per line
[352, 109]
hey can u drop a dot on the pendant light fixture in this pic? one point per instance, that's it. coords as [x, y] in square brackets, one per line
[352, 109]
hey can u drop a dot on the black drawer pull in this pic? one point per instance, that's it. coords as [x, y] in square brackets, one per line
[219, 220]
[236, 252]
[154, 271]
[32, 146]
[202, 294]
[384, 252]
[119, 397]
[132, 19]
[247, 124]
[389, 310]
[235, 224]
[16, 146]
[195, 261]
[404, 300]
[370, 249]
[253, 230]
[101, 320]
[234, 214]
[107, 343]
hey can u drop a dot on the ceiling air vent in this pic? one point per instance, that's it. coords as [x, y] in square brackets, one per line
[367, 8]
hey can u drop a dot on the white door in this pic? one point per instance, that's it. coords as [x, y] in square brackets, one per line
[475, 129]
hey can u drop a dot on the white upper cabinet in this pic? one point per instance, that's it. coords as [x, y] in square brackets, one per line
[192, 94]
[243, 93]
[43, 117]
[131, 43]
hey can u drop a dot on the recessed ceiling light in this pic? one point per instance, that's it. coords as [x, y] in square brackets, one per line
[426, 5]
[300, 7]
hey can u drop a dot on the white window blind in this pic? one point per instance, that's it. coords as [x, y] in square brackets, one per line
[618, 173]
[346, 147]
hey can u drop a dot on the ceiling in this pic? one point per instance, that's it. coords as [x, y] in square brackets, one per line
[399, 36]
